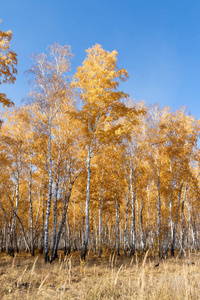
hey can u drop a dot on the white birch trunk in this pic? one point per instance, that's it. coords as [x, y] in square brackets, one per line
[55, 211]
[126, 223]
[117, 226]
[87, 225]
[31, 211]
[169, 225]
[46, 237]
[133, 198]
[100, 222]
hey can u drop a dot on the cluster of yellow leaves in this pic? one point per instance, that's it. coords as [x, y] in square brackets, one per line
[8, 62]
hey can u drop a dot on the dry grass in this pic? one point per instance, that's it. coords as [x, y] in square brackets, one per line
[111, 277]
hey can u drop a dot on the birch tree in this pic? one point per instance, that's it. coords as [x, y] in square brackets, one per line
[98, 80]
[47, 97]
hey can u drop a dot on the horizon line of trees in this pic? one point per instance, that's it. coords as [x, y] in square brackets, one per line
[82, 165]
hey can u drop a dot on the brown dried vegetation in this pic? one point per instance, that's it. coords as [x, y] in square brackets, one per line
[111, 277]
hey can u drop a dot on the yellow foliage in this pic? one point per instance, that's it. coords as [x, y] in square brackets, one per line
[8, 62]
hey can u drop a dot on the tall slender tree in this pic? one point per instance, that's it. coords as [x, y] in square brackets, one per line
[98, 80]
[49, 93]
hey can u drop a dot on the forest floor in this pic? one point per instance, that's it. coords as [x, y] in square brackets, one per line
[111, 277]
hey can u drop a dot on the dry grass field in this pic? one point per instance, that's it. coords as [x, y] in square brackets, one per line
[111, 277]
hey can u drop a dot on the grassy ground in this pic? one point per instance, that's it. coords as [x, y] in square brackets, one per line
[111, 277]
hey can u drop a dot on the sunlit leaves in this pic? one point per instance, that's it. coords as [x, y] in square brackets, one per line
[8, 62]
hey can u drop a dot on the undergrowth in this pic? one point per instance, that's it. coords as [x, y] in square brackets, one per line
[111, 277]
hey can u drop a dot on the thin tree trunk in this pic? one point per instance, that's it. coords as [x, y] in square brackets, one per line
[9, 237]
[56, 198]
[61, 226]
[100, 222]
[133, 198]
[74, 228]
[93, 234]
[142, 228]
[42, 230]
[183, 223]
[46, 237]
[13, 226]
[159, 220]
[36, 220]
[62, 223]
[101, 208]
[65, 240]
[68, 235]
[87, 226]
[31, 211]
[176, 221]
[117, 226]
[55, 210]
[169, 225]
[22, 227]
[106, 231]
[126, 223]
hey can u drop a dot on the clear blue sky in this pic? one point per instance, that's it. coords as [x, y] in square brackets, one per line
[158, 42]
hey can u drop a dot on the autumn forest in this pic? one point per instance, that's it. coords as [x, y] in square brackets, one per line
[85, 167]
